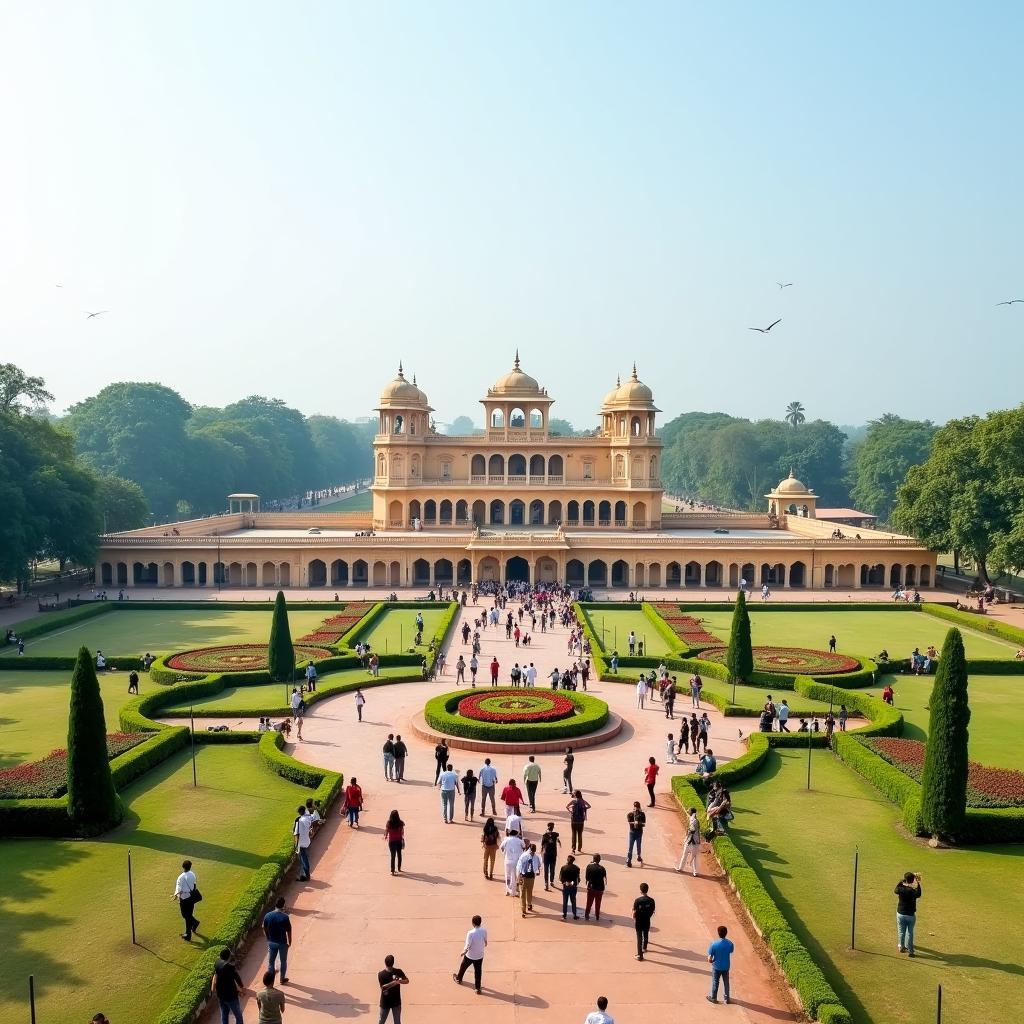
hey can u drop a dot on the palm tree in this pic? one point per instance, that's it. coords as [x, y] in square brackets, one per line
[795, 414]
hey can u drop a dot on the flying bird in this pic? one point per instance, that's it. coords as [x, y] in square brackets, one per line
[1009, 302]
[784, 284]
[89, 316]
[765, 330]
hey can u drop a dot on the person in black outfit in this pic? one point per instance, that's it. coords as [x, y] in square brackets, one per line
[441, 759]
[908, 892]
[133, 682]
[549, 843]
[597, 878]
[401, 750]
[391, 980]
[227, 986]
[569, 877]
[643, 911]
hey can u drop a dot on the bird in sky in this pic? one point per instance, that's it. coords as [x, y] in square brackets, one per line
[1009, 302]
[100, 312]
[765, 330]
[784, 284]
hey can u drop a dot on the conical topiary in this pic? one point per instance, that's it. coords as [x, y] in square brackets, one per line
[93, 804]
[740, 659]
[281, 661]
[944, 778]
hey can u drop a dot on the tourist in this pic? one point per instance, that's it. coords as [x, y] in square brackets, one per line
[908, 892]
[460, 670]
[569, 879]
[641, 691]
[568, 761]
[720, 810]
[599, 1016]
[299, 718]
[101, 661]
[720, 956]
[360, 701]
[440, 759]
[596, 878]
[226, 984]
[391, 980]
[353, 802]
[887, 694]
[532, 776]
[843, 716]
[374, 665]
[300, 830]
[635, 822]
[473, 953]
[277, 927]
[832, 644]
[388, 751]
[549, 843]
[650, 775]
[401, 752]
[311, 678]
[133, 682]
[186, 892]
[577, 808]
[495, 669]
[296, 700]
[527, 868]
[669, 696]
[631, 640]
[830, 724]
[315, 817]
[691, 844]
[489, 839]
[530, 672]
[670, 749]
[614, 663]
[449, 782]
[555, 676]
[469, 783]
[474, 667]
[705, 730]
[696, 685]
[394, 836]
[512, 797]
[514, 823]
[783, 713]
[270, 1001]
[707, 765]
[643, 911]
[488, 777]
[512, 847]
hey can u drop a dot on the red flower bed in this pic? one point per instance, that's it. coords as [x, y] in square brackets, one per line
[344, 620]
[236, 658]
[795, 660]
[690, 630]
[516, 707]
[986, 787]
[320, 637]
[48, 778]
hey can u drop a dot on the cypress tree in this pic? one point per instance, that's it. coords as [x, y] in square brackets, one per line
[944, 778]
[93, 804]
[281, 659]
[740, 659]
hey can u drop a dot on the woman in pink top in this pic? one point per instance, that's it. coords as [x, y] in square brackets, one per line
[394, 836]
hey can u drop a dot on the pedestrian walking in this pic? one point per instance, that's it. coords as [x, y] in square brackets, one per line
[353, 802]
[133, 682]
[670, 699]
[401, 751]
[635, 822]
[596, 878]
[670, 749]
[495, 669]
[696, 685]
[301, 832]
[277, 927]
[843, 717]
[186, 892]
[394, 836]
[388, 752]
[489, 839]
[512, 847]
[908, 892]
[691, 844]
[488, 776]
[532, 777]
[270, 1001]
[549, 844]
[832, 644]
[577, 808]
[460, 668]
[643, 911]
[569, 879]
[391, 980]
[473, 953]
[527, 869]
[512, 797]
[599, 1016]
[440, 759]
[360, 701]
[720, 957]
[449, 782]
[226, 985]
[474, 667]
[568, 761]
[641, 691]
[650, 775]
[469, 783]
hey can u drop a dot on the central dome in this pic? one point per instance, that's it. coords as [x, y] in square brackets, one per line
[791, 485]
[516, 382]
[401, 392]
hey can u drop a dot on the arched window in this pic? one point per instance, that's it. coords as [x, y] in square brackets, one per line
[382, 465]
[636, 426]
[620, 467]
[399, 423]
[555, 465]
[496, 466]
[517, 418]
[497, 419]
[536, 465]
[414, 466]
[478, 465]
[622, 426]
[536, 419]
[517, 465]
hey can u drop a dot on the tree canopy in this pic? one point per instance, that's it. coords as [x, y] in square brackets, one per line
[880, 462]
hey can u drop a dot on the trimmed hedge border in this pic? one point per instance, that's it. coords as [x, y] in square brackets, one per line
[979, 623]
[47, 623]
[441, 713]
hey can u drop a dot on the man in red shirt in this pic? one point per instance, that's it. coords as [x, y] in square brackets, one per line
[494, 671]
[650, 774]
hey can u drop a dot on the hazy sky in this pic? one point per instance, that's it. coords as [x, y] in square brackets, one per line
[288, 199]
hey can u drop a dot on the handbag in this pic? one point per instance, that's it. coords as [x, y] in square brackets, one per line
[197, 896]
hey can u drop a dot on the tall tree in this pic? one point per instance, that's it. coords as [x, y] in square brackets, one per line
[795, 414]
[881, 461]
[341, 449]
[93, 804]
[740, 657]
[18, 390]
[281, 660]
[122, 504]
[944, 777]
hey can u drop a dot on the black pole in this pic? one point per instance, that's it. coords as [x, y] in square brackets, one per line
[131, 897]
[810, 736]
[938, 1008]
[734, 689]
[192, 718]
[853, 914]
[32, 998]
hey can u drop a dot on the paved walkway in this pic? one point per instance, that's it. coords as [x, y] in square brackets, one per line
[354, 912]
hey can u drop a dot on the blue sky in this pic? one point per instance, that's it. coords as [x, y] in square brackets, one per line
[287, 201]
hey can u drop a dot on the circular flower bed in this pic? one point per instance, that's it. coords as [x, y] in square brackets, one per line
[791, 660]
[516, 707]
[236, 658]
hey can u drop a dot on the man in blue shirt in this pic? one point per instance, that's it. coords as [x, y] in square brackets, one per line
[719, 955]
[277, 926]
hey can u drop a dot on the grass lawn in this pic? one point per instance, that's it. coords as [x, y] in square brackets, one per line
[126, 632]
[395, 628]
[65, 903]
[860, 633]
[361, 502]
[247, 700]
[970, 918]
[612, 628]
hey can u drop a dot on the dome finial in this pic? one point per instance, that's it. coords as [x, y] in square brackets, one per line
[414, 379]
[635, 377]
[792, 475]
[517, 358]
[400, 368]
[618, 380]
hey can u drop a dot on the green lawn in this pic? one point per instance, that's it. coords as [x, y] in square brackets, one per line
[856, 632]
[361, 502]
[612, 626]
[970, 920]
[65, 903]
[395, 628]
[127, 632]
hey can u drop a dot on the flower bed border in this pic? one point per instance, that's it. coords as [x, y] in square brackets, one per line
[559, 707]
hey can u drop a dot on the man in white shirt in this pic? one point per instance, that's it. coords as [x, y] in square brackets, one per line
[514, 823]
[691, 844]
[531, 776]
[488, 776]
[296, 700]
[599, 1016]
[101, 662]
[185, 891]
[448, 780]
[528, 867]
[531, 674]
[301, 832]
[641, 691]
[473, 954]
[512, 848]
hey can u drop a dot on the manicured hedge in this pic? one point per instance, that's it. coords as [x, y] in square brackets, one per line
[883, 720]
[441, 713]
[49, 621]
[58, 662]
[980, 623]
[137, 761]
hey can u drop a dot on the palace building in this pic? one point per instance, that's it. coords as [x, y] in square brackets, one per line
[516, 501]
